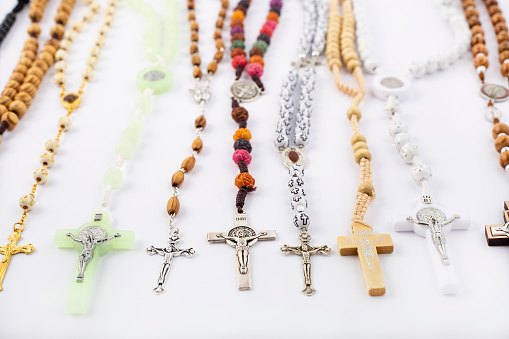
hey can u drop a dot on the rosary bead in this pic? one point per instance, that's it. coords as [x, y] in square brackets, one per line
[88, 74]
[177, 179]
[398, 127]
[23, 97]
[418, 69]
[41, 176]
[493, 113]
[188, 163]
[200, 122]
[360, 145]
[59, 79]
[400, 139]
[25, 61]
[502, 36]
[357, 138]
[408, 152]
[503, 56]
[361, 154]
[239, 113]
[499, 128]
[497, 18]
[18, 107]
[62, 18]
[113, 177]
[481, 60]
[504, 69]
[243, 144]
[197, 73]
[243, 155]
[20, 69]
[64, 123]
[173, 206]
[242, 133]
[244, 179]
[301, 220]
[194, 37]
[143, 103]
[28, 54]
[193, 49]
[354, 111]
[500, 27]
[197, 145]
[3, 110]
[125, 148]
[501, 142]
[296, 171]
[366, 188]
[301, 139]
[26, 202]
[218, 56]
[9, 92]
[479, 48]
[503, 160]
[41, 64]
[212, 67]
[281, 141]
[28, 88]
[57, 31]
[11, 119]
[34, 70]
[52, 145]
[32, 79]
[421, 172]
[47, 159]
[195, 60]
[95, 52]
[34, 30]
[60, 66]
[299, 204]
[5, 101]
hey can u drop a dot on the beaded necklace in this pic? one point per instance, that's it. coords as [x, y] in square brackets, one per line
[32, 66]
[363, 242]
[201, 95]
[241, 236]
[428, 219]
[311, 45]
[243, 90]
[496, 235]
[9, 19]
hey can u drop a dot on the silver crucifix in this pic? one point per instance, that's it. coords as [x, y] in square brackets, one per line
[305, 250]
[168, 253]
[241, 236]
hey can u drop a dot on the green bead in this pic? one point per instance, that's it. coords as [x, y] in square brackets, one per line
[157, 78]
[238, 44]
[113, 177]
[136, 124]
[125, 147]
[261, 44]
[144, 103]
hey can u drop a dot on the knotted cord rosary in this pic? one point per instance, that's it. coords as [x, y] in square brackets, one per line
[9, 19]
[300, 82]
[242, 236]
[341, 48]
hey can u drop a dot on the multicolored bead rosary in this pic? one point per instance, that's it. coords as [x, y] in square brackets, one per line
[427, 219]
[26, 77]
[341, 48]
[9, 19]
[243, 90]
[300, 83]
[201, 95]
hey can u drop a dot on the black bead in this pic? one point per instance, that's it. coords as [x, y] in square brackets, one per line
[264, 37]
[276, 9]
[243, 144]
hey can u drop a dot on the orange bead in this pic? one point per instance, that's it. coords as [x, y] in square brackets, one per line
[273, 16]
[242, 133]
[244, 180]
[238, 15]
[257, 59]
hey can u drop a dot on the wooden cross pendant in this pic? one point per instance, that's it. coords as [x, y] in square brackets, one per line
[305, 250]
[498, 235]
[367, 246]
[9, 250]
[92, 240]
[241, 236]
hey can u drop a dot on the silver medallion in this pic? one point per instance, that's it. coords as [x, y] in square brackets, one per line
[391, 82]
[425, 213]
[494, 92]
[244, 90]
[97, 232]
[154, 75]
[293, 156]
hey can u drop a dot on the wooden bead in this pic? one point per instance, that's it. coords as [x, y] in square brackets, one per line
[501, 142]
[28, 54]
[193, 49]
[9, 92]
[177, 179]
[50, 49]
[503, 159]
[197, 72]
[195, 60]
[18, 77]
[476, 30]
[11, 119]
[34, 30]
[481, 60]
[504, 69]
[21, 69]
[504, 46]
[53, 42]
[219, 23]
[473, 20]
[366, 188]
[5, 101]
[218, 34]
[36, 71]
[173, 206]
[3, 109]
[500, 27]
[357, 138]
[189, 162]
[494, 10]
[471, 11]
[65, 7]
[502, 36]
[200, 122]
[212, 67]
[191, 17]
[32, 79]
[218, 56]
[225, 4]
[354, 111]
[12, 84]
[28, 88]
[62, 18]
[219, 44]
[18, 107]
[25, 61]
[35, 15]
[24, 97]
[46, 57]
[503, 56]
[495, 19]
[477, 39]
[360, 145]
[222, 13]
[499, 128]
[32, 42]
[361, 154]
[197, 145]
[41, 64]
[479, 48]
[194, 37]
[194, 26]
[57, 31]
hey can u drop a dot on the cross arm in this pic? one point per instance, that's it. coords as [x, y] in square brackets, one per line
[291, 249]
[61, 239]
[215, 237]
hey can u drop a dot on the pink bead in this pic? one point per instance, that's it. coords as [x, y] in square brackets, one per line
[242, 154]
[239, 60]
[271, 23]
[255, 69]
[266, 29]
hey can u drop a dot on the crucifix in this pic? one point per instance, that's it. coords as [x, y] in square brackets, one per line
[91, 240]
[367, 246]
[168, 253]
[305, 250]
[11, 249]
[241, 236]
[498, 235]
[429, 221]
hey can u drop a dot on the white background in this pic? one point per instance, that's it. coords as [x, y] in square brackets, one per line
[446, 119]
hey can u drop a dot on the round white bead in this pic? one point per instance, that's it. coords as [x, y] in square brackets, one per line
[95, 52]
[59, 79]
[301, 139]
[92, 62]
[110, 10]
[64, 123]
[421, 172]
[370, 65]
[398, 127]
[99, 41]
[65, 45]
[281, 141]
[41, 175]
[431, 65]
[295, 182]
[104, 30]
[52, 145]
[301, 220]
[408, 152]
[299, 204]
[77, 25]
[88, 15]
[418, 69]
[47, 159]
[88, 74]
[401, 139]
[70, 35]
[60, 66]
[297, 192]
[391, 106]
[61, 55]
[26, 202]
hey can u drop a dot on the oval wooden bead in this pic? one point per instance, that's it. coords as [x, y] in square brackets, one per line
[20, 69]
[194, 26]
[504, 46]
[191, 16]
[11, 119]
[194, 37]
[503, 159]
[41, 64]
[12, 84]
[34, 30]
[32, 79]
[200, 122]
[361, 154]
[9, 92]
[500, 27]
[502, 36]
[359, 145]
[50, 49]
[212, 67]
[495, 19]
[197, 73]
[18, 107]
[62, 18]
[357, 138]
[477, 39]
[5, 101]
[28, 88]
[197, 145]
[173, 206]
[57, 31]
[354, 111]
[188, 163]
[499, 128]
[501, 142]
[177, 179]
[476, 30]
[24, 97]
[195, 60]
[479, 48]
[3, 110]
[36, 71]
[46, 57]
[193, 49]
[366, 188]
[504, 69]
[53, 42]
[28, 54]
[352, 64]
[503, 56]
[218, 34]
[25, 61]
[18, 77]
[218, 56]
[219, 23]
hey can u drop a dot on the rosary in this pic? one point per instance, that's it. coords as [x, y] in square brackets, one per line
[312, 43]
[427, 220]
